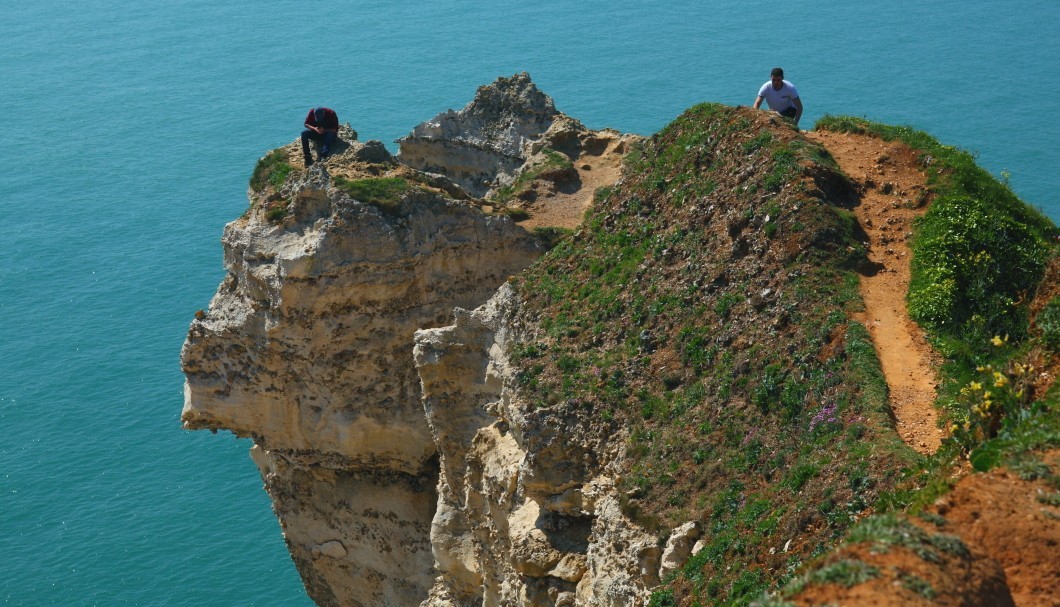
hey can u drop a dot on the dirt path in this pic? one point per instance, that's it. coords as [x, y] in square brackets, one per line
[892, 187]
[566, 209]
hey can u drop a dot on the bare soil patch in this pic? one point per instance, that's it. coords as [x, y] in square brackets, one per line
[1010, 524]
[1016, 521]
[893, 194]
[559, 207]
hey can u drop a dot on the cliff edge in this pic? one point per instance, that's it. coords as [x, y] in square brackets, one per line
[675, 400]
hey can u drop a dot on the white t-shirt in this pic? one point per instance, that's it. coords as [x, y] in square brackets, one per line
[779, 100]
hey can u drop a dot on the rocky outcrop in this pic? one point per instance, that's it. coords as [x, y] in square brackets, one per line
[307, 348]
[350, 340]
[487, 141]
[527, 509]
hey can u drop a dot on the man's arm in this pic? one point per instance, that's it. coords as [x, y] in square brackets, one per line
[758, 102]
[798, 109]
[310, 123]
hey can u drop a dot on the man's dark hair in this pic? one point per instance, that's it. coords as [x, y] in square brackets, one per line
[777, 72]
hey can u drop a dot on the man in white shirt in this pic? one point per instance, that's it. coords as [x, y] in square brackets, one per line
[781, 96]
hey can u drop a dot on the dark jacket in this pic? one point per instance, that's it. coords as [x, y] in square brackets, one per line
[329, 123]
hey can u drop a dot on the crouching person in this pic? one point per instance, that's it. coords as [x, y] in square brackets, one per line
[321, 124]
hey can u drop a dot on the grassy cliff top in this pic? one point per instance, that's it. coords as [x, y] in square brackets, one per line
[704, 309]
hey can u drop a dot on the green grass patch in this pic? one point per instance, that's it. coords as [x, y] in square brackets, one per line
[516, 213]
[846, 572]
[883, 532]
[550, 237]
[272, 169]
[918, 585]
[384, 193]
[277, 211]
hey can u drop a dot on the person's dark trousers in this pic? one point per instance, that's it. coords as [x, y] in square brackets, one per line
[788, 113]
[327, 139]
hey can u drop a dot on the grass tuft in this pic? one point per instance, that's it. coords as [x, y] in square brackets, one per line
[384, 193]
[272, 169]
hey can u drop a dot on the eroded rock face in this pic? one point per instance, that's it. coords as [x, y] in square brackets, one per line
[527, 510]
[307, 348]
[402, 463]
[488, 140]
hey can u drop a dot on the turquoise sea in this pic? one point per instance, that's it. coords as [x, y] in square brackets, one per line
[129, 131]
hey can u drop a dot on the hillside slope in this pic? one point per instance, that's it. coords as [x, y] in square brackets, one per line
[704, 308]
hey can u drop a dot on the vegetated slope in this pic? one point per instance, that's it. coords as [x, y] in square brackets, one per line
[704, 306]
[986, 287]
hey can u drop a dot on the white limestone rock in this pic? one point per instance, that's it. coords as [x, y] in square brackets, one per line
[679, 548]
[307, 348]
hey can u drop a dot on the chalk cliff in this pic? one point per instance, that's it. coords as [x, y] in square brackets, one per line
[673, 406]
[528, 512]
[307, 348]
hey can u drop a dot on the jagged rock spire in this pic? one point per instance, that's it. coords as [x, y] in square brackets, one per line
[485, 139]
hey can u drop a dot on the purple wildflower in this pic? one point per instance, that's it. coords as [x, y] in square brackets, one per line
[747, 437]
[825, 416]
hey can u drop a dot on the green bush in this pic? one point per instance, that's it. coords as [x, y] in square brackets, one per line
[972, 263]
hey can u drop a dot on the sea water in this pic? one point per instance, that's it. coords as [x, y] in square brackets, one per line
[129, 131]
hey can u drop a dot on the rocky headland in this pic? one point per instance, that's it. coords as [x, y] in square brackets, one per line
[523, 362]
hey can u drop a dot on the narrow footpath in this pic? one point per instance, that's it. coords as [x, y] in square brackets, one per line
[892, 190]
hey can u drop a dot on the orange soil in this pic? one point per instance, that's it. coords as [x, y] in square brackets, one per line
[892, 192]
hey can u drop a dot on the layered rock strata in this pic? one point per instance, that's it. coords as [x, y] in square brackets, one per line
[307, 348]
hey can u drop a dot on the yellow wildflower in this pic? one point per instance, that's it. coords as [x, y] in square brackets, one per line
[1000, 380]
[975, 386]
[996, 341]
